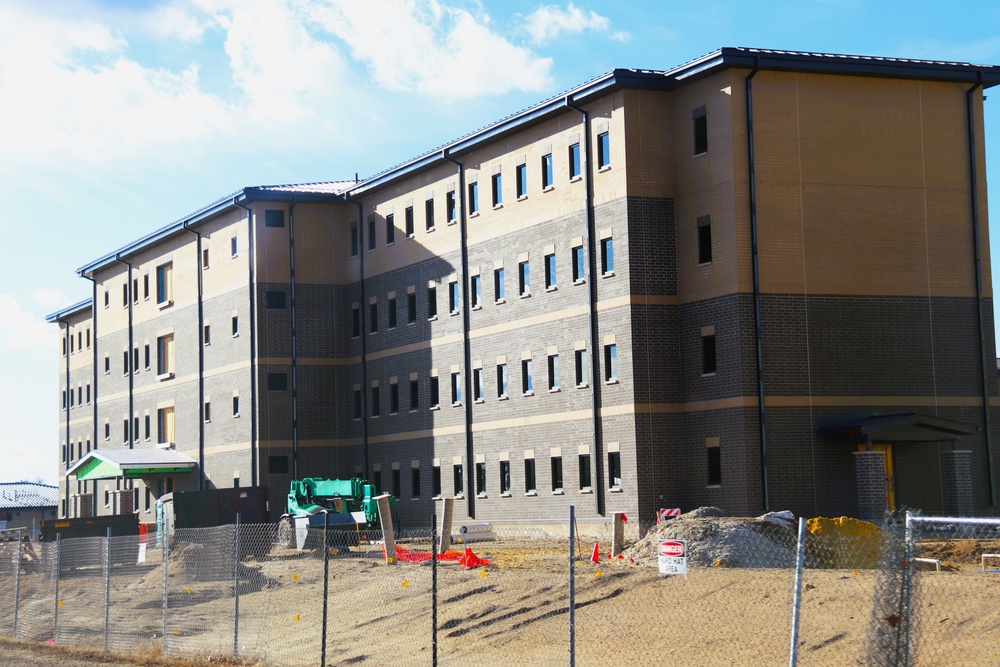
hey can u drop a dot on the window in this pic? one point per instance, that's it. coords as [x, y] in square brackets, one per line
[207, 412]
[125, 362]
[607, 256]
[477, 291]
[453, 297]
[125, 431]
[357, 404]
[557, 476]
[205, 258]
[396, 483]
[414, 395]
[135, 428]
[165, 425]
[107, 430]
[164, 279]
[273, 218]
[477, 385]
[432, 303]
[700, 117]
[436, 481]
[451, 208]
[498, 285]
[64, 402]
[277, 465]
[480, 479]
[501, 380]
[393, 398]
[521, 180]
[708, 364]
[135, 290]
[107, 298]
[277, 381]
[414, 483]
[553, 372]
[474, 198]
[390, 229]
[574, 161]
[610, 363]
[457, 470]
[378, 478]
[504, 477]
[135, 358]
[376, 403]
[615, 469]
[408, 221]
[355, 321]
[580, 366]
[550, 272]
[456, 388]
[145, 286]
[206, 336]
[64, 348]
[107, 364]
[373, 317]
[371, 235]
[145, 356]
[88, 339]
[165, 356]
[125, 295]
[79, 395]
[529, 475]
[603, 150]
[88, 393]
[236, 325]
[527, 382]
[411, 307]
[584, 472]
[524, 279]
[146, 427]
[547, 171]
[497, 190]
[429, 214]
[233, 247]
[714, 462]
[435, 393]
[354, 239]
[705, 239]
[236, 406]
[275, 300]
[392, 312]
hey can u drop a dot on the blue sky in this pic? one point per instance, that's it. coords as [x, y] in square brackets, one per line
[119, 117]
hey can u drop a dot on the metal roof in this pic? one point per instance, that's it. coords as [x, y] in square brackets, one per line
[78, 307]
[25, 495]
[903, 427]
[121, 461]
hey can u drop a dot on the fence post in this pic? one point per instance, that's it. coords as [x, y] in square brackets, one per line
[793, 650]
[906, 608]
[326, 584]
[107, 588]
[17, 579]
[55, 622]
[236, 591]
[165, 543]
[572, 588]
[434, 591]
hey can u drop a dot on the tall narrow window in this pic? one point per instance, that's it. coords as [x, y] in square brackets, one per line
[432, 302]
[505, 477]
[396, 482]
[574, 161]
[615, 470]
[414, 395]
[207, 412]
[204, 258]
[236, 325]
[473, 198]
[392, 312]
[135, 358]
[376, 402]
[584, 462]
[354, 239]
[580, 366]
[429, 214]
[700, 118]
[521, 180]
[547, 171]
[456, 388]
[704, 239]
[165, 356]
[524, 279]
[529, 475]
[146, 356]
[557, 473]
[125, 295]
[373, 317]
[164, 279]
[476, 288]
[450, 206]
[165, 425]
[390, 229]
[453, 297]
[550, 271]
[125, 362]
[107, 298]
[393, 398]
[135, 290]
[107, 364]
[477, 385]
[607, 256]
[481, 479]
[708, 362]
[436, 481]
[408, 221]
[603, 150]
[497, 190]
[371, 235]
[236, 406]
[435, 392]
[233, 247]
[579, 270]
[499, 289]
[411, 307]
[501, 380]
[610, 362]
[553, 372]
[415, 483]
[714, 456]
[457, 472]
[358, 407]
[527, 382]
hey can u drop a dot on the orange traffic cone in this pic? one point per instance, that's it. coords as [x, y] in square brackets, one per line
[596, 558]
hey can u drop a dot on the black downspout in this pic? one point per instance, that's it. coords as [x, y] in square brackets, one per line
[201, 358]
[973, 176]
[131, 358]
[93, 325]
[466, 329]
[291, 278]
[363, 308]
[758, 327]
[67, 390]
[253, 346]
[590, 233]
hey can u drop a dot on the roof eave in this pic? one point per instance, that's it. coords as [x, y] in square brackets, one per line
[76, 308]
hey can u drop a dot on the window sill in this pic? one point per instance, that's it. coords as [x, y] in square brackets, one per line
[410, 324]
[434, 407]
[430, 229]
[454, 313]
[412, 410]
[700, 154]
[522, 197]
[555, 390]
[713, 486]
[506, 495]
[611, 381]
[606, 167]
[375, 416]
[393, 414]
[479, 400]
[497, 207]
[453, 221]
[526, 295]
[208, 421]
[236, 416]
[236, 335]
[576, 178]
[415, 498]
[708, 263]
[580, 281]
[165, 376]
[615, 489]
[432, 318]
[558, 492]
[500, 302]
[583, 385]
[165, 304]
[505, 397]
[551, 288]
[459, 496]
[230, 257]
[474, 214]
[456, 404]
[608, 274]
[548, 188]
[708, 375]
[586, 490]
[531, 493]
[530, 392]
[477, 307]
[481, 495]
[389, 243]
[411, 236]
[436, 498]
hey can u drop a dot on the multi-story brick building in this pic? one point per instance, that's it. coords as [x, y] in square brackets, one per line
[759, 280]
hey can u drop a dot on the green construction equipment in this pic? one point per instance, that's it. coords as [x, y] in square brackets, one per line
[314, 501]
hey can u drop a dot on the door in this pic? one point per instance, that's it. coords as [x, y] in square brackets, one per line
[890, 477]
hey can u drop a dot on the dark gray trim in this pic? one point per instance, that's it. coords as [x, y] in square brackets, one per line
[252, 326]
[295, 359]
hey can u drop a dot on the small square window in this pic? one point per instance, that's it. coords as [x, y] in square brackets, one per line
[277, 465]
[274, 218]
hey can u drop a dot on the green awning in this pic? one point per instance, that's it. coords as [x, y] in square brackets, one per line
[130, 464]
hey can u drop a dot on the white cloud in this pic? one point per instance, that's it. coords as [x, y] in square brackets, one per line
[50, 298]
[21, 330]
[549, 21]
[177, 22]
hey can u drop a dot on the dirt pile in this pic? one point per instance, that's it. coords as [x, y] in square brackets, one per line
[720, 541]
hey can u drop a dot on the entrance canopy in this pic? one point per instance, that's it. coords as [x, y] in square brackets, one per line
[130, 464]
[905, 427]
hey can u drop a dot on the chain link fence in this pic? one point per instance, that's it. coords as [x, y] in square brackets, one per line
[917, 591]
